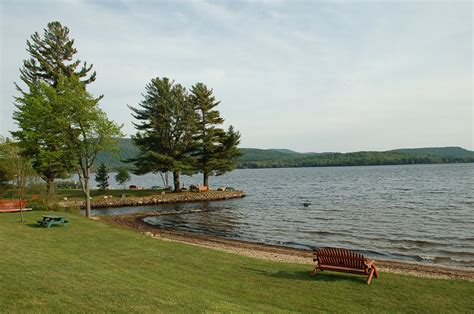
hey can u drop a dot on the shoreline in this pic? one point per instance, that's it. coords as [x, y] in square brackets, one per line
[166, 198]
[277, 253]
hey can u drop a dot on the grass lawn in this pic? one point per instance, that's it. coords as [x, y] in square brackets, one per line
[91, 266]
[77, 194]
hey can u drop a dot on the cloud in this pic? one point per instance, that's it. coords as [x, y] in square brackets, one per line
[309, 76]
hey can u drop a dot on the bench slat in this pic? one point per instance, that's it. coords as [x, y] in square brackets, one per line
[343, 260]
[343, 269]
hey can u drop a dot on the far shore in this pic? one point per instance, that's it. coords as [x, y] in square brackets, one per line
[278, 253]
[165, 198]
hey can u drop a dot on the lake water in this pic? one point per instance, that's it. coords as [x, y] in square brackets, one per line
[421, 213]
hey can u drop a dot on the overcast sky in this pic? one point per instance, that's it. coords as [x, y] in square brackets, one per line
[304, 75]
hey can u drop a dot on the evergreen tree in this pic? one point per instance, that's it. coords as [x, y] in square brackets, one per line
[51, 56]
[102, 177]
[229, 153]
[41, 139]
[217, 149]
[166, 130]
[122, 177]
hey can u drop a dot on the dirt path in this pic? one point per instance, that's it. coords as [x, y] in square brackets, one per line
[278, 253]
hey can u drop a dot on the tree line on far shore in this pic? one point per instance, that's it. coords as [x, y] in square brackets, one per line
[253, 158]
[351, 159]
[61, 129]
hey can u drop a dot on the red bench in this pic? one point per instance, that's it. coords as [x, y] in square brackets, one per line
[7, 206]
[343, 260]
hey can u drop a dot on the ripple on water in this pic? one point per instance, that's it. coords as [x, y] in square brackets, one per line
[418, 212]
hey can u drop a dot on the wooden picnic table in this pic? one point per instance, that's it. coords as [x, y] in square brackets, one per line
[49, 220]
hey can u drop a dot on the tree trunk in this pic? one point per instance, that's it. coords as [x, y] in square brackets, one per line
[206, 179]
[88, 198]
[50, 188]
[21, 210]
[176, 181]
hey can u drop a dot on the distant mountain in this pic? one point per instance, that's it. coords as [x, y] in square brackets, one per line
[284, 150]
[438, 151]
[113, 160]
[279, 158]
[250, 154]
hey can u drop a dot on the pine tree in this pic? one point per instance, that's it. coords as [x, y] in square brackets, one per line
[166, 130]
[229, 152]
[217, 148]
[51, 56]
[102, 177]
[41, 139]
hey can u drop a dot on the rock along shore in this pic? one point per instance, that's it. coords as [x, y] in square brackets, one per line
[167, 198]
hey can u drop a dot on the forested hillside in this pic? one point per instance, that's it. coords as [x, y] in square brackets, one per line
[280, 158]
[438, 151]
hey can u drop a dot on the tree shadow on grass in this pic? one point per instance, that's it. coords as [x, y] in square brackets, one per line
[304, 276]
[38, 226]
[33, 225]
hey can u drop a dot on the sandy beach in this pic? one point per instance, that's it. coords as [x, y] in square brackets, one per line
[278, 253]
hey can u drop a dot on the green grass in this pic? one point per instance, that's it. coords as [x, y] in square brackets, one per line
[77, 194]
[91, 266]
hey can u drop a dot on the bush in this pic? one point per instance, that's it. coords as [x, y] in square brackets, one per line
[38, 205]
[36, 189]
[42, 205]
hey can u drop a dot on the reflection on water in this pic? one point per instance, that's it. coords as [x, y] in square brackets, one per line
[419, 213]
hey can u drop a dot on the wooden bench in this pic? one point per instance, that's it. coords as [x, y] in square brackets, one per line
[48, 221]
[11, 206]
[343, 260]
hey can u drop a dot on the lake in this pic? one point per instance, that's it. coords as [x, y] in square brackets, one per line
[421, 213]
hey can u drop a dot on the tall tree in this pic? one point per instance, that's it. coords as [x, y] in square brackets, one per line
[40, 135]
[102, 177]
[217, 148]
[166, 130]
[51, 57]
[86, 127]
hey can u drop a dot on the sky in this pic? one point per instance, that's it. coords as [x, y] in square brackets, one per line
[309, 76]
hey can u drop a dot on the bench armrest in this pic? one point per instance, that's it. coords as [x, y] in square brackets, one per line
[369, 262]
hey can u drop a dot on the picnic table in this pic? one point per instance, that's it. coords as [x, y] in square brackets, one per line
[49, 220]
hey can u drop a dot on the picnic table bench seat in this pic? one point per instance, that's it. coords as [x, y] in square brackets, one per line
[48, 221]
[343, 260]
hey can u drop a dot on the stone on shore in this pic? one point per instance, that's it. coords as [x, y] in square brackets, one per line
[162, 199]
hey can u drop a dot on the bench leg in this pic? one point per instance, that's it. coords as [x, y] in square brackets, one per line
[376, 272]
[314, 271]
[371, 274]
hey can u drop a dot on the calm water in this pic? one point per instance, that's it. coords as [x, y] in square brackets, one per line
[419, 212]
